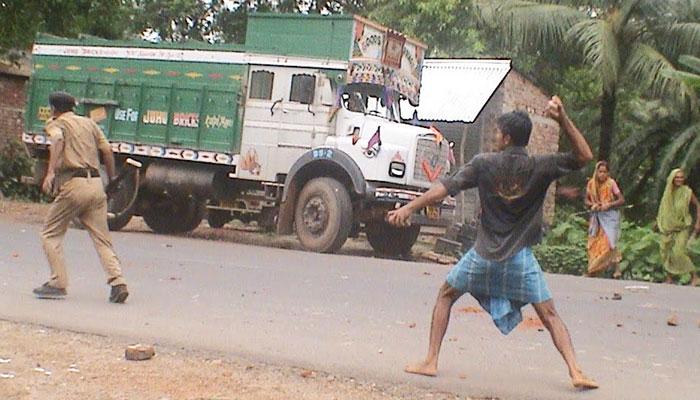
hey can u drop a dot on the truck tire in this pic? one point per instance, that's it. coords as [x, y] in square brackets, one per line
[323, 215]
[218, 218]
[173, 214]
[118, 202]
[391, 240]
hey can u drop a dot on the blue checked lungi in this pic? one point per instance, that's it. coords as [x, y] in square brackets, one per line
[501, 287]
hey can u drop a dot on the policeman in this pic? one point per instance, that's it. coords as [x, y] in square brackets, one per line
[74, 178]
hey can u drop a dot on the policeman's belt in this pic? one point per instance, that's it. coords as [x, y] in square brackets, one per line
[83, 173]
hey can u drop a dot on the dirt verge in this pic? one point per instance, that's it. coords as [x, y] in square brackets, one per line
[47, 364]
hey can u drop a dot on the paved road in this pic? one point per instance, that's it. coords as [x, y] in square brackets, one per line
[352, 316]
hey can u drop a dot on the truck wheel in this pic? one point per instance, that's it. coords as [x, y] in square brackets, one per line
[218, 218]
[323, 215]
[390, 240]
[173, 214]
[118, 202]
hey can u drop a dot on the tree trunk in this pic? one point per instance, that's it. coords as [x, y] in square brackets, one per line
[607, 123]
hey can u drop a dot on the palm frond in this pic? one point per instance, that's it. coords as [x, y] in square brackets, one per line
[683, 38]
[672, 153]
[656, 73]
[690, 62]
[600, 50]
[692, 156]
[690, 79]
[532, 24]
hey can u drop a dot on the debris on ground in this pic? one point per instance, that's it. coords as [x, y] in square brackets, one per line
[307, 374]
[617, 296]
[672, 320]
[139, 352]
[439, 258]
[637, 288]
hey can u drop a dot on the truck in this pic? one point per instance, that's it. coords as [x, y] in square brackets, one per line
[299, 128]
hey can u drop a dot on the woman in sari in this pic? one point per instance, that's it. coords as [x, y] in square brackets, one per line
[603, 196]
[674, 222]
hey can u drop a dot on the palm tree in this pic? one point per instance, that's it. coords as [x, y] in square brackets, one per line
[622, 41]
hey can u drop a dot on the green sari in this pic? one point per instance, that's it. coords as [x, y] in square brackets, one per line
[674, 221]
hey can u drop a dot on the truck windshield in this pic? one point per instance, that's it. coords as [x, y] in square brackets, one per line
[371, 99]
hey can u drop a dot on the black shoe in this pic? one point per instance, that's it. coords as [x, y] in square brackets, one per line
[46, 291]
[118, 294]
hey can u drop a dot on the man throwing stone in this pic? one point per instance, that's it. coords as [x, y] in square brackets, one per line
[500, 271]
[73, 176]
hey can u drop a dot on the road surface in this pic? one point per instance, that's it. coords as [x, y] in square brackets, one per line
[356, 316]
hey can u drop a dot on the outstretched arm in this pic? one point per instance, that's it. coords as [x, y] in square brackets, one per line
[400, 217]
[582, 151]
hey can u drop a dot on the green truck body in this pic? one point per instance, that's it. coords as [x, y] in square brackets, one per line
[193, 105]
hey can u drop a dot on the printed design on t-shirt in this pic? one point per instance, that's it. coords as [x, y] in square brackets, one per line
[509, 182]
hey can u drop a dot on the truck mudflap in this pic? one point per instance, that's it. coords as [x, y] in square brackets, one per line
[442, 214]
[321, 161]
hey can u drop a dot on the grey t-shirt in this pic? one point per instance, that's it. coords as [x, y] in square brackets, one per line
[512, 187]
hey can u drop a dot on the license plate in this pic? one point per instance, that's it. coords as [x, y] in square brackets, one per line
[432, 212]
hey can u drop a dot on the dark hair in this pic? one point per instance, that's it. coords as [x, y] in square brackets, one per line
[61, 101]
[517, 125]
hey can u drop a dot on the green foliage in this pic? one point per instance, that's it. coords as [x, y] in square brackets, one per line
[558, 259]
[694, 250]
[15, 163]
[447, 26]
[564, 250]
[22, 19]
[641, 257]
[218, 21]
[624, 42]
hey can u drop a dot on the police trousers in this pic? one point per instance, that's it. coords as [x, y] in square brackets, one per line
[85, 199]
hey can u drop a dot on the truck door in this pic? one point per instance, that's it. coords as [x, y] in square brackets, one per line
[286, 115]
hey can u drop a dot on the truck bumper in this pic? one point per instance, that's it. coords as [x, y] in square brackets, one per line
[442, 214]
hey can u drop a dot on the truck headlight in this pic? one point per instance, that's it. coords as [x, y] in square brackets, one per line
[397, 169]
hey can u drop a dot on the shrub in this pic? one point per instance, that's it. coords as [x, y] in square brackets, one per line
[15, 163]
[558, 259]
[564, 250]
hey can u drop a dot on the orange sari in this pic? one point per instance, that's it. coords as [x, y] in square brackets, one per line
[602, 251]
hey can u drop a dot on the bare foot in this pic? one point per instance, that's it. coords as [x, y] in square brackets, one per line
[581, 381]
[423, 368]
[617, 275]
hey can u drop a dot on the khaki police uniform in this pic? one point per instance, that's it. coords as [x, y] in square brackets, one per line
[79, 193]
